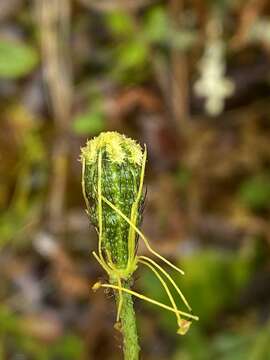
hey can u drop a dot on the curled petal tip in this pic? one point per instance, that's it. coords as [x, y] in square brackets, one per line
[118, 326]
[96, 286]
[183, 327]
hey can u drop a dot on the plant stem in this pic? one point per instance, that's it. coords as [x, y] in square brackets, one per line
[131, 347]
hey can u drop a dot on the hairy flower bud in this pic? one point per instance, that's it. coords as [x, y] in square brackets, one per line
[112, 169]
[112, 182]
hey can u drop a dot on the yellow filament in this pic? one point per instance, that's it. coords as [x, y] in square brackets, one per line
[140, 296]
[166, 289]
[142, 175]
[109, 260]
[142, 236]
[169, 278]
[102, 263]
[134, 211]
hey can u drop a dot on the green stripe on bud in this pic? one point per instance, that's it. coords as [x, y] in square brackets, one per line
[118, 161]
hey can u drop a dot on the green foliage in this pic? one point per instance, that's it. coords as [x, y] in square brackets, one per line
[130, 51]
[131, 59]
[193, 347]
[8, 320]
[231, 345]
[245, 344]
[227, 346]
[157, 25]
[255, 192]
[212, 280]
[158, 29]
[68, 347]
[132, 55]
[216, 277]
[183, 177]
[16, 59]
[260, 347]
[12, 224]
[119, 23]
[91, 122]
[29, 179]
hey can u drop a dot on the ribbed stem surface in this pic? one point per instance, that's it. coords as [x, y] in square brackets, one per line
[131, 347]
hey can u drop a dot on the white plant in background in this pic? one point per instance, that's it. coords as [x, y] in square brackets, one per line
[213, 85]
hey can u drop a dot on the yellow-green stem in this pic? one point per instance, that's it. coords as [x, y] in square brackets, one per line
[128, 326]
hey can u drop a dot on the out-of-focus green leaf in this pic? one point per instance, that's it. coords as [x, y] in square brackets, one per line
[132, 54]
[16, 59]
[211, 280]
[157, 27]
[208, 282]
[255, 192]
[260, 347]
[193, 347]
[70, 347]
[91, 122]
[243, 344]
[119, 23]
[8, 320]
[231, 345]
[151, 287]
[183, 177]
[130, 62]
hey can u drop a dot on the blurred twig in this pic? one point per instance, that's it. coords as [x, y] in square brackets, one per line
[54, 21]
[7, 8]
[248, 16]
[179, 75]
[112, 5]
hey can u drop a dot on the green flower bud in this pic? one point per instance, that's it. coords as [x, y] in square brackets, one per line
[112, 182]
[113, 166]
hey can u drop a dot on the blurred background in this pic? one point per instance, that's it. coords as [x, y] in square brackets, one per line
[191, 79]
